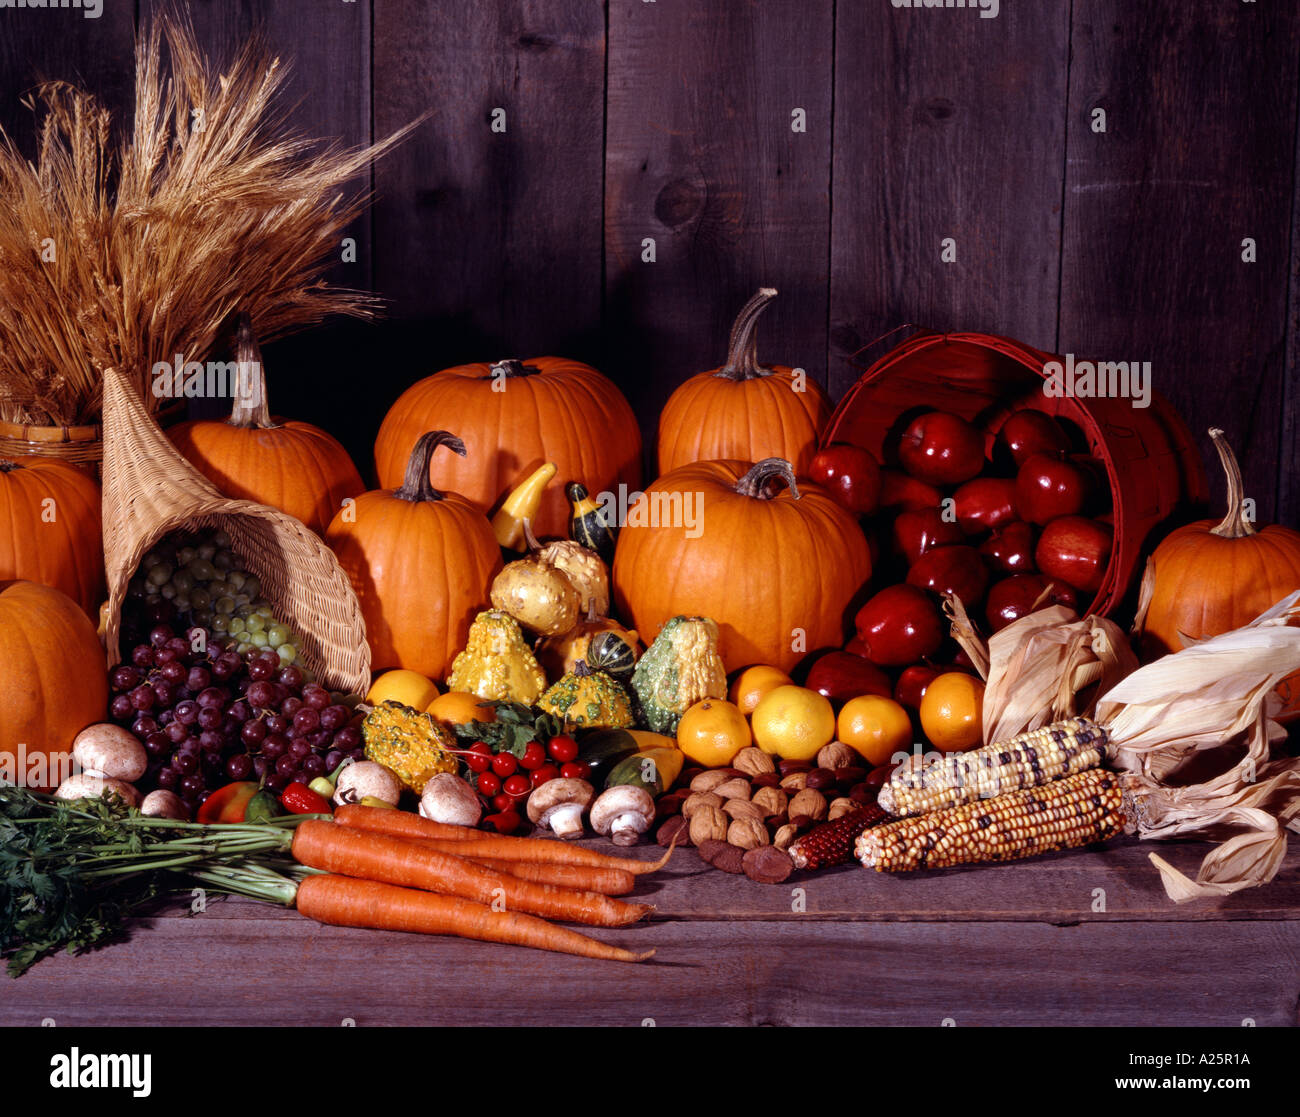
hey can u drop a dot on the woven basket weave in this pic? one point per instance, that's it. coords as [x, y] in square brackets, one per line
[150, 490]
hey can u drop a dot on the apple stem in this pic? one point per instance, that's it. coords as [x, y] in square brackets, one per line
[1234, 524]
[742, 349]
[756, 483]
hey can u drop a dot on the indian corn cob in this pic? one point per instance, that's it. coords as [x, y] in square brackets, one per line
[1025, 760]
[1074, 811]
[831, 843]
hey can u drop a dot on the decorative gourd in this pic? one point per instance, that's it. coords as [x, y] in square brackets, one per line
[50, 528]
[583, 566]
[743, 410]
[413, 744]
[292, 466]
[520, 507]
[679, 669]
[588, 523]
[497, 664]
[1205, 579]
[538, 595]
[559, 655]
[776, 571]
[588, 698]
[614, 654]
[52, 682]
[514, 416]
[421, 562]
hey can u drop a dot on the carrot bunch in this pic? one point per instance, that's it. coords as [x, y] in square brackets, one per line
[396, 871]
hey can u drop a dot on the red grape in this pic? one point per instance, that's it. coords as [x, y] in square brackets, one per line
[159, 636]
[306, 720]
[143, 697]
[199, 678]
[274, 746]
[124, 678]
[142, 656]
[261, 695]
[334, 717]
[239, 766]
[187, 711]
[291, 676]
[121, 708]
[253, 733]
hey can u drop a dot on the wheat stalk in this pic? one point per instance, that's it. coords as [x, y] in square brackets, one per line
[213, 203]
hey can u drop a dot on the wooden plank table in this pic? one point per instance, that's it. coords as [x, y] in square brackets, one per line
[1080, 938]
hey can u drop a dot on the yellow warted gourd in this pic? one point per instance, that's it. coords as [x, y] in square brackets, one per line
[497, 664]
[590, 699]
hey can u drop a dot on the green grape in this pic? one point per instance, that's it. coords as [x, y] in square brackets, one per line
[252, 587]
[221, 538]
[265, 610]
[152, 559]
[254, 623]
[200, 617]
[235, 625]
[205, 551]
[202, 570]
[288, 653]
[241, 600]
[217, 588]
[200, 598]
[168, 591]
[159, 574]
[276, 635]
[225, 605]
[243, 647]
[235, 579]
[183, 580]
[258, 639]
[185, 556]
[222, 560]
[181, 601]
[218, 623]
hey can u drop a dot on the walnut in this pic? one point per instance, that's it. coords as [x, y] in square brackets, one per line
[708, 823]
[742, 808]
[836, 755]
[747, 833]
[737, 788]
[753, 761]
[700, 799]
[785, 836]
[809, 804]
[770, 800]
[795, 781]
[708, 780]
[841, 806]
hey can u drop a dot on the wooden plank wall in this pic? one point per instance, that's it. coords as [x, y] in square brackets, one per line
[671, 121]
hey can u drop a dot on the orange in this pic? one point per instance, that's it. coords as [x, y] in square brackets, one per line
[459, 707]
[793, 722]
[400, 685]
[712, 731]
[876, 727]
[952, 712]
[753, 682]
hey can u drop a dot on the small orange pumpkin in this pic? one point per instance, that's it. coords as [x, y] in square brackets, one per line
[51, 528]
[421, 562]
[53, 682]
[776, 571]
[1205, 579]
[292, 466]
[743, 410]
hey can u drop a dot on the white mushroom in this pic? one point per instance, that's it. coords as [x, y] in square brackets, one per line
[558, 805]
[367, 780]
[623, 813]
[109, 750]
[164, 804]
[449, 799]
[84, 785]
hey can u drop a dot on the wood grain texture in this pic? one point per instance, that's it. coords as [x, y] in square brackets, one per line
[701, 157]
[1194, 159]
[947, 125]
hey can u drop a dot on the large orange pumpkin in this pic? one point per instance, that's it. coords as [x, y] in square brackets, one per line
[421, 562]
[292, 466]
[53, 681]
[743, 410]
[1206, 578]
[50, 528]
[514, 415]
[777, 570]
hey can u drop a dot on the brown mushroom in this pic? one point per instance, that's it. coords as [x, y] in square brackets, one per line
[559, 804]
[623, 812]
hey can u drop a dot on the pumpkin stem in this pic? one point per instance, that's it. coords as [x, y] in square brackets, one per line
[756, 482]
[1234, 524]
[742, 349]
[7, 466]
[250, 408]
[512, 367]
[416, 486]
[582, 669]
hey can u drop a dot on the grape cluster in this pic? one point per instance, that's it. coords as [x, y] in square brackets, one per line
[207, 716]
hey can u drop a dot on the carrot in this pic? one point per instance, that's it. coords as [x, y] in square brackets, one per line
[348, 902]
[400, 824]
[358, 853]
[609, 882]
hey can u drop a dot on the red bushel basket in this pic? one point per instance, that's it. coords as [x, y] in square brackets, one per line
[1154, 468]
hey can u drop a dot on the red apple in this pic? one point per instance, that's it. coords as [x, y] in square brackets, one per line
[1075, 550]
[900, 625]
[1032, 432]
[985, 503]
[898, 490]
[850, 474]
[913, 683]
[952, 569]
[855, 646]
[840, 676]
[917, 531]
[1010, 549]
[1014, 597]
[1049, 486]
[942, 449]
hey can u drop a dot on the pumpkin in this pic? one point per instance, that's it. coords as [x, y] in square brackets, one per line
[743, 410]
[777, 571]
[515, 415]
[1208, 578]
[292, 466]
[588, 698]
[559, 655]
[420, 561]
[680, 668]
[52, 682]
[496, 663]
[51, 530]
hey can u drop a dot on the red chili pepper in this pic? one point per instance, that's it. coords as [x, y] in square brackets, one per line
[298, 798]
[227, 804]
